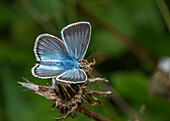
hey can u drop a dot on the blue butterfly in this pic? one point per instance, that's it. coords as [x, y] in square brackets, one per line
[62, 60]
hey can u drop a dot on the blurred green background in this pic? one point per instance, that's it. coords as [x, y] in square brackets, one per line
[131, 36]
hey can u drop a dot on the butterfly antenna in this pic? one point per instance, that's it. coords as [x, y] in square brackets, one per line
[93, 53]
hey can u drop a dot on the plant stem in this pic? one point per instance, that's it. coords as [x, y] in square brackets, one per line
[84, 110]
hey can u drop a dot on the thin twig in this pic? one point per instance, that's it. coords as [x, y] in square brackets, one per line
[84, 110]
[165, 12]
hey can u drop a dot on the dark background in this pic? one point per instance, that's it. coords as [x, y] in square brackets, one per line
[131, 36]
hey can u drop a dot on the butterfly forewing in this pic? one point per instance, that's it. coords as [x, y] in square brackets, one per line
[49, 47]
[76, 37]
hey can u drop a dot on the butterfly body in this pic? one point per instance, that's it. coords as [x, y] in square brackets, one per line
[68, 64]
[63, 59]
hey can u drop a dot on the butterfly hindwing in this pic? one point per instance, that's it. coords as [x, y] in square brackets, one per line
[73, 76]
[76, 38]
[46, 71]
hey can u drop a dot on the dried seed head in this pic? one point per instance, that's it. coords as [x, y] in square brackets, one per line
[67, 96]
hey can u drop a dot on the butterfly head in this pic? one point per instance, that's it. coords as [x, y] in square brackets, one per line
[86, 66]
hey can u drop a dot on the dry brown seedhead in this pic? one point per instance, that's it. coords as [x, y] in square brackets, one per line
[67, 97]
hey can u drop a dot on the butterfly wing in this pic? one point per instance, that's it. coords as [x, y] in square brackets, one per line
[49, 47]
[76, 38]
[72, 76]
[49, 50]
[46, 71]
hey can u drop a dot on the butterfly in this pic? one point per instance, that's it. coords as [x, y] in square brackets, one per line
[63, 59]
